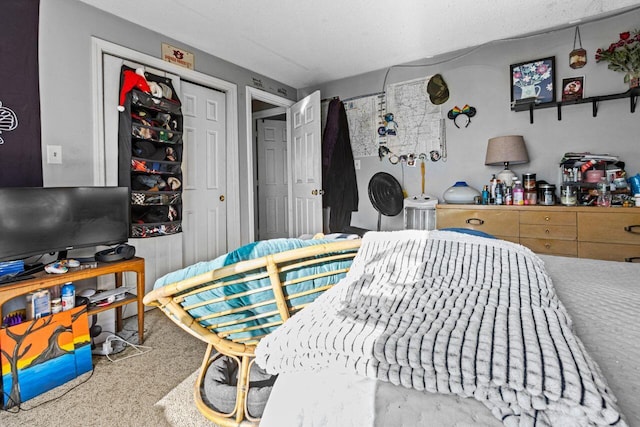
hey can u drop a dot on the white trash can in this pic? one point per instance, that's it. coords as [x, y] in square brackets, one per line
[420, 212]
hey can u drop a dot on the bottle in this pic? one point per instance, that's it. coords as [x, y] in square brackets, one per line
[56, 305]
[518, 193]
[499, 194]
[68, 296]
[494, 183]
[508, 196]
[604, 192]
[485, 195]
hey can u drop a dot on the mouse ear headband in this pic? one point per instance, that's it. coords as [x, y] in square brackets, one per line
[467, 111]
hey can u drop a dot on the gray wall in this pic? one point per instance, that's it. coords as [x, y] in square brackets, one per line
[66, 28]
[481, 79]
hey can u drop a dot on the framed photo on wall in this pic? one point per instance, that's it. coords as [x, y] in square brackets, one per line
[533, 81]
[572, 88]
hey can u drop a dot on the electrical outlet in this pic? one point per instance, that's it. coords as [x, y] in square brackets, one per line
[54, 154]
[103, 349]
[356, 163]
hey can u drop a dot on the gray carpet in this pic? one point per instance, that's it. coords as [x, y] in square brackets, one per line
[176, 412]
[124, 393]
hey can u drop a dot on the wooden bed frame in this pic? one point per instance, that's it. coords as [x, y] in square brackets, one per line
[170, 299]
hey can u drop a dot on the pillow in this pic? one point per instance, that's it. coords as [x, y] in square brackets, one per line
[469, 231]
[252, 251]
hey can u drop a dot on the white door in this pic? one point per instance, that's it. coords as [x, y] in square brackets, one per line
[204, 212]
[273, 209]
[305, 166]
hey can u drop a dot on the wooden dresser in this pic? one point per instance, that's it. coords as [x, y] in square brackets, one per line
[581, 231]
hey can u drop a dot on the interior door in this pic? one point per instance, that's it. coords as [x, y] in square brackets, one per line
[273, 184]
[305, 166]
[204, 214]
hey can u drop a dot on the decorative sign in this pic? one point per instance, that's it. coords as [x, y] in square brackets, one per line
[178, 56]
[257, 82]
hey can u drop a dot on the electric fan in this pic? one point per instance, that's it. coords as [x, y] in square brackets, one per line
[386, 195]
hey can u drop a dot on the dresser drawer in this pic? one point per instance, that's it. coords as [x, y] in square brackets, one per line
[548, 218]
[495, 222]
[609, 251]
[562, 232]
[603, 227]
[551, 246]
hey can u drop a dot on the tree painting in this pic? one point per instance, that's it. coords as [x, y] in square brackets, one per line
[33, 343]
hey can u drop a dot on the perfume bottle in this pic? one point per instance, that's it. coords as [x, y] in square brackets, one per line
[518, 193]
[485, 195]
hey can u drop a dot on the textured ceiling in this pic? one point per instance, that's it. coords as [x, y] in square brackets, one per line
[304, 42]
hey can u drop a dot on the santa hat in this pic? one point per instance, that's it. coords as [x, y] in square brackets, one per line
[130, 80]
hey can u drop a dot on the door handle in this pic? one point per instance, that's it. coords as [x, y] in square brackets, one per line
[222, 198]
[314, 192]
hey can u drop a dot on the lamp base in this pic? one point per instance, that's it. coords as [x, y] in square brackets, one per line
[507, 176]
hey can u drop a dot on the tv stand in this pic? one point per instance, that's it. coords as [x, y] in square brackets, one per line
[42, 280]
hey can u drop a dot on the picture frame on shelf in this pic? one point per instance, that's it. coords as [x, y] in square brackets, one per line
[533, 81]
[573, 88]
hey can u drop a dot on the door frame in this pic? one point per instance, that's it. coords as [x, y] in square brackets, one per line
[100, 47]
[260, 95]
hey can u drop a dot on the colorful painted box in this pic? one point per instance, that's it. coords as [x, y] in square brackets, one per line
[39, 355]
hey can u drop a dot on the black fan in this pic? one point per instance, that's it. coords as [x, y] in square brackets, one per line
[386, 195]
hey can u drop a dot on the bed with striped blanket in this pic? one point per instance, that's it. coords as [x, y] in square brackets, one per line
[441, 312]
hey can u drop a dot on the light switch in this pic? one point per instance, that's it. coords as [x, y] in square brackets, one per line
[54, 154]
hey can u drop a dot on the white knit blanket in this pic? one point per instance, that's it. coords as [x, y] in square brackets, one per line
[451, 313]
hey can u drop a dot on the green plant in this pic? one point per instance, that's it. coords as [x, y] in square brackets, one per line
[623, 55]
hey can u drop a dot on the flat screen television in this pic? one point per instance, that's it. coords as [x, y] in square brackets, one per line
[36, 221]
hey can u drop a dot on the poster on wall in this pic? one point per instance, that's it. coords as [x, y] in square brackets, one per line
[20, 149]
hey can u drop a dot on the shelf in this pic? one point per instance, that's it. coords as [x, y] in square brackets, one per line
[42, 280]
[632, 94]
[95, 309]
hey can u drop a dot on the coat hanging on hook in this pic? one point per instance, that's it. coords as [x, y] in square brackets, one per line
[578, 56]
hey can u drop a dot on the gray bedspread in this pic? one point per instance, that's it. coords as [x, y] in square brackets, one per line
[603, 299]
[504, 337]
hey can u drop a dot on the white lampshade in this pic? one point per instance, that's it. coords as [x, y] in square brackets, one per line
[505, 150]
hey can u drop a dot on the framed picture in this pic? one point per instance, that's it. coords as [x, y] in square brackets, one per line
[533, 81]
[572, 88]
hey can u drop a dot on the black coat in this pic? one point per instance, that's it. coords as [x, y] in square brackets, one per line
[339, 174]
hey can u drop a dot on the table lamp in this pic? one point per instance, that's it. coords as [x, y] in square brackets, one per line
[509, 149]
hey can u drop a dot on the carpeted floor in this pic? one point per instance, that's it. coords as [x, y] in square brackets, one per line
[124, 393]
[176, 412]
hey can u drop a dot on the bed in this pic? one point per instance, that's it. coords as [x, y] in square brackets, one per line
[437, 328]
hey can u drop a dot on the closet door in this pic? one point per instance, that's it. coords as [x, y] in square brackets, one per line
[204, 170]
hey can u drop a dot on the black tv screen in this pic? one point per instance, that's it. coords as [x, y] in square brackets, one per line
[36, 221]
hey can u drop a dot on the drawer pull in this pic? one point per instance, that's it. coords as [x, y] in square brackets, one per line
[546, 218]
[547, 231]
[631, 259]
[629, 228]
[475, 221]
[547, 245]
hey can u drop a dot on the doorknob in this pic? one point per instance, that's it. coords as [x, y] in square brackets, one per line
[314, 192]
[222, 198]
